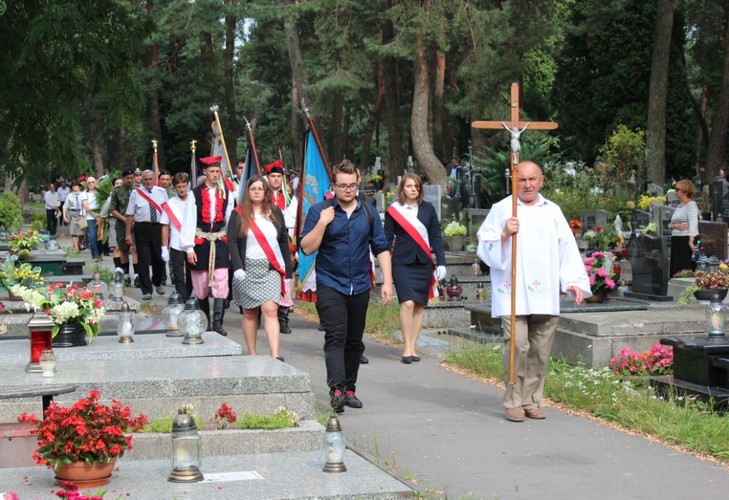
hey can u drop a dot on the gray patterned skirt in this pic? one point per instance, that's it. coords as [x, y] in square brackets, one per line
[261, 285]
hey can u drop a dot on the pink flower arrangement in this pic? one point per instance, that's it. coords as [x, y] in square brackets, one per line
[599, 267]
[658, 360]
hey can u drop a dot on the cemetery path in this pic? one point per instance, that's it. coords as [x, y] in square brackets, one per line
[447, 434]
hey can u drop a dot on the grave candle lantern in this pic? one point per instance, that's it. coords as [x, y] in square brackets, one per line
[716, 316]
[171, 314]
[333, 447]
[40, 327]
[192, 322]
[125, 327]
[185, 450]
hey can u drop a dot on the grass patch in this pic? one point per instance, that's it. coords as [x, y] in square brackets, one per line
[628, 403]
[279, 420]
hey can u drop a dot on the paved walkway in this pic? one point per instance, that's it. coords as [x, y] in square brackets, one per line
[447, 433]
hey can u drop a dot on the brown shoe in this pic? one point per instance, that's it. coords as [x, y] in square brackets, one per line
[514, 414]
[535, 413]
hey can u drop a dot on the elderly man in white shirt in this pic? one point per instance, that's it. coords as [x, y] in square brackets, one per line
[548, 261]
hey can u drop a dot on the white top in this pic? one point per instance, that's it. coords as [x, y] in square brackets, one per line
[253, 248]
[548, 259]
[189, 223]
[62, 192]
[683, 214]
[51, 200]
[139, 207]
[184, 210]
[89, 203]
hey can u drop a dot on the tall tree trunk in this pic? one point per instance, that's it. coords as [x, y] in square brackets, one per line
[717, 138]
[298, 80]
[374, 118]
[232, 130]
[392, 100]
[656, 136]
[438, 96]
[97, 146]
[336, 142]
[422, 147]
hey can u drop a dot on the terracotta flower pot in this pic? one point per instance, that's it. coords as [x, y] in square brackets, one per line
[85, 476]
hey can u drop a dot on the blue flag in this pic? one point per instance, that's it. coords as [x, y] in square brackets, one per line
[315, 183]
[248, 171]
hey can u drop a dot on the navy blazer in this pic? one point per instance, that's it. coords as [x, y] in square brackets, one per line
[405, 249]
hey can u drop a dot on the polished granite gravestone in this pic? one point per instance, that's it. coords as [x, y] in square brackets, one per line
[649, 264]
[700, 367]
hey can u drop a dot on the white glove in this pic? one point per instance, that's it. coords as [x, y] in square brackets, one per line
[165, 254]
[440, 272]
[239, 274]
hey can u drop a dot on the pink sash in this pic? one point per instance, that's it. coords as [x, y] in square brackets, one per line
[419, 235]
[275, 257]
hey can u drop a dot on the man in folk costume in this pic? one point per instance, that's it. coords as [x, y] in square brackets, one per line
[275, 173]
[208, 259]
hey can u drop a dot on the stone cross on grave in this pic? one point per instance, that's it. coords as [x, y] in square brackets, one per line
[515, 126]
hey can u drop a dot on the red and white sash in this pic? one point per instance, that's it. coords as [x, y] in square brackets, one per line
[273, 253]
[173, 218]
[418, 232]
[144, 195]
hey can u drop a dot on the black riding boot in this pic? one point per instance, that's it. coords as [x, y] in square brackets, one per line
[283, 319]
[205, 307]
[218, 315]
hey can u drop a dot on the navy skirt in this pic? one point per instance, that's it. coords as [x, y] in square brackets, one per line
[412, 281]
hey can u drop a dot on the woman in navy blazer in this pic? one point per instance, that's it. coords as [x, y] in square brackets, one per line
[413, 230]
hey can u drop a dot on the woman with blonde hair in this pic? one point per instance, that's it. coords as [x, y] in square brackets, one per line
[684, 228]
[413, 230]
[259, 251]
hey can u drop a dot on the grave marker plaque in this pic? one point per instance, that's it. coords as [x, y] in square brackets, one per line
[648, 261]
[714, 238]
[719, 194]
[593, 218]
[432, 194]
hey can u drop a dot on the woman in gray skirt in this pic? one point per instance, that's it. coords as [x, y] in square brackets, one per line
[261, 259]
[72, 214]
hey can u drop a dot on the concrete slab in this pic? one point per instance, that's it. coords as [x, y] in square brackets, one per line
[16, 351]
[275, 475]
[157, 387]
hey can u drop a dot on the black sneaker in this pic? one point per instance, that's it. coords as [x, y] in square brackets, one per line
[336, 399]
[351, 400]
[363, 360]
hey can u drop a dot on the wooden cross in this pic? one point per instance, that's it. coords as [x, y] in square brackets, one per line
[516, 128]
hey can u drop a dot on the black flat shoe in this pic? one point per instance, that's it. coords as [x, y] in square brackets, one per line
[280, 358]
[407, 359]
[363, 360]
[415, 359]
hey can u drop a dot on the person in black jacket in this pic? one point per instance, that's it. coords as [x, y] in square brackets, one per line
[413, 229]
[259, 251]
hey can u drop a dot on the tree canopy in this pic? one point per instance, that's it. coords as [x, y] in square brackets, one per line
[88, 85]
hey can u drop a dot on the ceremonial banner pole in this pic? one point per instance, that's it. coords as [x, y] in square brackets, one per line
[252, 145]
[515, 128]
[155, 164]
[312, 127]
[227, 171]
[193, 166]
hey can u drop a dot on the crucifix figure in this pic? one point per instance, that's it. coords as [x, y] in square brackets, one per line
[515, 128]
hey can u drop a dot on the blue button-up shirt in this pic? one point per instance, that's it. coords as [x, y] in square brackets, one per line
[343, 258]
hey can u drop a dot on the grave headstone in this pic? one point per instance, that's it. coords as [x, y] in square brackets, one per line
[719, 194]
[639, 219]
[476, 216]
[380, 201]
[662, 217]
[593, 218]
[714, 238]
[432, 194]
[649, 263]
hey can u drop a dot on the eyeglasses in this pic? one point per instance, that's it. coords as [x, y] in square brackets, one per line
[678, 190]
[346, 187]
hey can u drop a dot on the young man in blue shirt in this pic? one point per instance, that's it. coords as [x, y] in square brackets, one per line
[343, 231]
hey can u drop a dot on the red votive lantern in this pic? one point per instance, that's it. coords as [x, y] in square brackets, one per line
[40, 327]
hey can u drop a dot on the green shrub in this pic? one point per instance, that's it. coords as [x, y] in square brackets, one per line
[11, 212]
